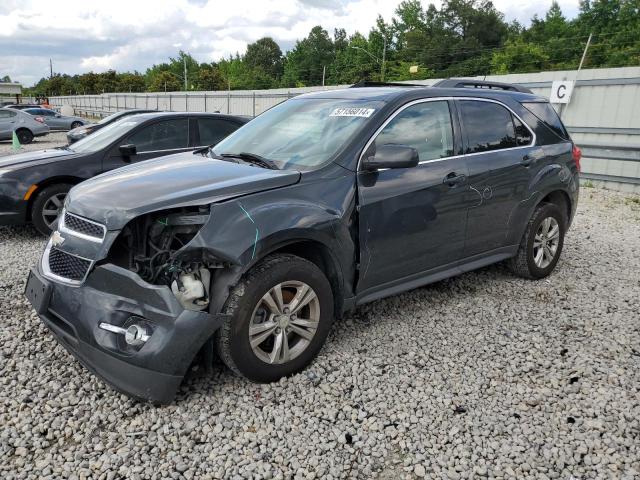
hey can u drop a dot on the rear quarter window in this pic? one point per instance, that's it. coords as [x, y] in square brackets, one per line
[547, 115]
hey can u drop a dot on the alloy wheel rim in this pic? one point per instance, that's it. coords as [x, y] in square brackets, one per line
[284, 322]
[545, 242]
[52, 209]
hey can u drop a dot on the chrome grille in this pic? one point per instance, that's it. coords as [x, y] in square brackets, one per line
[83, 227]
[67, 266]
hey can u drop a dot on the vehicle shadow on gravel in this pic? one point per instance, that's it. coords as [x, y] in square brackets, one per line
[352, 329]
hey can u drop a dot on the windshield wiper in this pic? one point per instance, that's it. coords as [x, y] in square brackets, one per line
[252, 158]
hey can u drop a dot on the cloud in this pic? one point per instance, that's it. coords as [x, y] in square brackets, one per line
[133, 35]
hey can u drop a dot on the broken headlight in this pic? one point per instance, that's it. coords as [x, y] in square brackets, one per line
[156, 247]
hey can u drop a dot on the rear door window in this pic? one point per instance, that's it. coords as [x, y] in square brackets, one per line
[163, 135]
[545, 112]
[212, 130]
[489, 126]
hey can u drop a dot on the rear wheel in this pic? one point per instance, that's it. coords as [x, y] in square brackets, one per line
[76, 125]
[280, 315]
[541, 244]
[24, 136]
[47, 207]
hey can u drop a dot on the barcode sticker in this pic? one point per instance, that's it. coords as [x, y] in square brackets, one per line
[352, 112]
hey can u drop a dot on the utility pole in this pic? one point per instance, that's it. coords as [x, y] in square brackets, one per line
[384, 55]
[584, 54]
[184, 63]
[324, 69]
[50, 69]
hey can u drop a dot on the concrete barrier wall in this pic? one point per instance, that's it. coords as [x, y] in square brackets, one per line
[603, 116]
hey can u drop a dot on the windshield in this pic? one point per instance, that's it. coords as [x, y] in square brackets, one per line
[300, 134]
[103, 137]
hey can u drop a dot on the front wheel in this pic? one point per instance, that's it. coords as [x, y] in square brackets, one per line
[76, 125]
[541, 244]
[47, 207]
[280, 315]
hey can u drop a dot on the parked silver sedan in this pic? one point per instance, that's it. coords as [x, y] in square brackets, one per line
[55, 120]
[25, 125]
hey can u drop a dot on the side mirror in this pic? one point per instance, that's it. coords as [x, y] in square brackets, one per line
[128, 150]
[392, 156]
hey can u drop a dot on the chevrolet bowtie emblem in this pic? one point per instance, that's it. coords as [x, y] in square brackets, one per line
[57, 239]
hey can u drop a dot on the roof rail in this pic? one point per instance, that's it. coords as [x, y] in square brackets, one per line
[472, 83]
[367, 83]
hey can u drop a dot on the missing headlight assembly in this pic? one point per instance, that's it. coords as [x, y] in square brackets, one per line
[156, 247]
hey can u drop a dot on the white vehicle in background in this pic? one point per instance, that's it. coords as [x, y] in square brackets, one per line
[26, 126]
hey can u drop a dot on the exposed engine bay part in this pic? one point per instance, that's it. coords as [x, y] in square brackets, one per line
[192, 289]
[153, 246]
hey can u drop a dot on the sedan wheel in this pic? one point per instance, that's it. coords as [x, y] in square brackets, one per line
[52, 209]
[47, 207]
[76, 125]
[284, 322]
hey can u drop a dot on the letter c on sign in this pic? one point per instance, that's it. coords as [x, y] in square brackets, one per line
[561, 88]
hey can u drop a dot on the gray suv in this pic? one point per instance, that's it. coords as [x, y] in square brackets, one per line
[325, 202]
[26, 126]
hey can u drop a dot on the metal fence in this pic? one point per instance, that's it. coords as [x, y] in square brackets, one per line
[603, 116]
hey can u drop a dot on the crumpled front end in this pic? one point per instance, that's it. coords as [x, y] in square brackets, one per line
[127, 326]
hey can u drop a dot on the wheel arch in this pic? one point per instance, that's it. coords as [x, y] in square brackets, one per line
[69, 179]
[561, 199]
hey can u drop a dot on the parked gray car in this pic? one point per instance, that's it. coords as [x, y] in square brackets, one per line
[25, 125]
[55, 120]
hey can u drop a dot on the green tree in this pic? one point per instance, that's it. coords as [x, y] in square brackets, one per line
[165, 81]
[266, 55]
[210, 78]
[519, 56]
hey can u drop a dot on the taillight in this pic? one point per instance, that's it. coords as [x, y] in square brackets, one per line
[39, 119]
[577, 155]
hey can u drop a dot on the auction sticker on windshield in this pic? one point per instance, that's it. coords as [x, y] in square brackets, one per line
[352, 112]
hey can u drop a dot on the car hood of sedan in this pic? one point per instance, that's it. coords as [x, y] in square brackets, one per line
[39, 157]
[183, 179]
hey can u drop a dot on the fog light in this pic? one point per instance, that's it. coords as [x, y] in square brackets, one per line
[136, 335]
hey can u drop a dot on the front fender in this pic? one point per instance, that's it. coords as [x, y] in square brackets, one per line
[240, 232]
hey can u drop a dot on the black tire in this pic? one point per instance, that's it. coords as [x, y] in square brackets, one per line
[76, 125]
[42, 200]
[232, 339]
[524, 264]
[24, 135]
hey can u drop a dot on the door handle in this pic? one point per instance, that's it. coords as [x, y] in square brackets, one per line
[527, 160]
[454, 179]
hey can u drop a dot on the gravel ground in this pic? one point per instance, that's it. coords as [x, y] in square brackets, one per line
[481, 375]
[53, 139]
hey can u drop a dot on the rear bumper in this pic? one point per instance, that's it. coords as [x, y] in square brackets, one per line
[152, 372]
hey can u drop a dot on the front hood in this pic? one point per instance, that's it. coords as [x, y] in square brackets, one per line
[28, 159]
[178, 180]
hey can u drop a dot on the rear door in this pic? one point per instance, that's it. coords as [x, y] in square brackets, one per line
[211, 131]
[499, 151]
[412, 220]
[7, 123]
[152, 140]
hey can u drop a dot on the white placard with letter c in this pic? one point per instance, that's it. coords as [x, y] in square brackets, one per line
[561, 91]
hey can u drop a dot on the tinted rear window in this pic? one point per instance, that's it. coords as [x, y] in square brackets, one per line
[546, 113]
[489, 126]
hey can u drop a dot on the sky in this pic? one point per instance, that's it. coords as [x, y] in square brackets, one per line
[82, 36]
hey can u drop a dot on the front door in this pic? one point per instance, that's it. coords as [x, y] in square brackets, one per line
[7, 123]
[499, 158]
[153, 140]
[412, 220]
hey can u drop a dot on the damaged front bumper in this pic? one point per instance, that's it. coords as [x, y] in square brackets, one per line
[151, 370]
